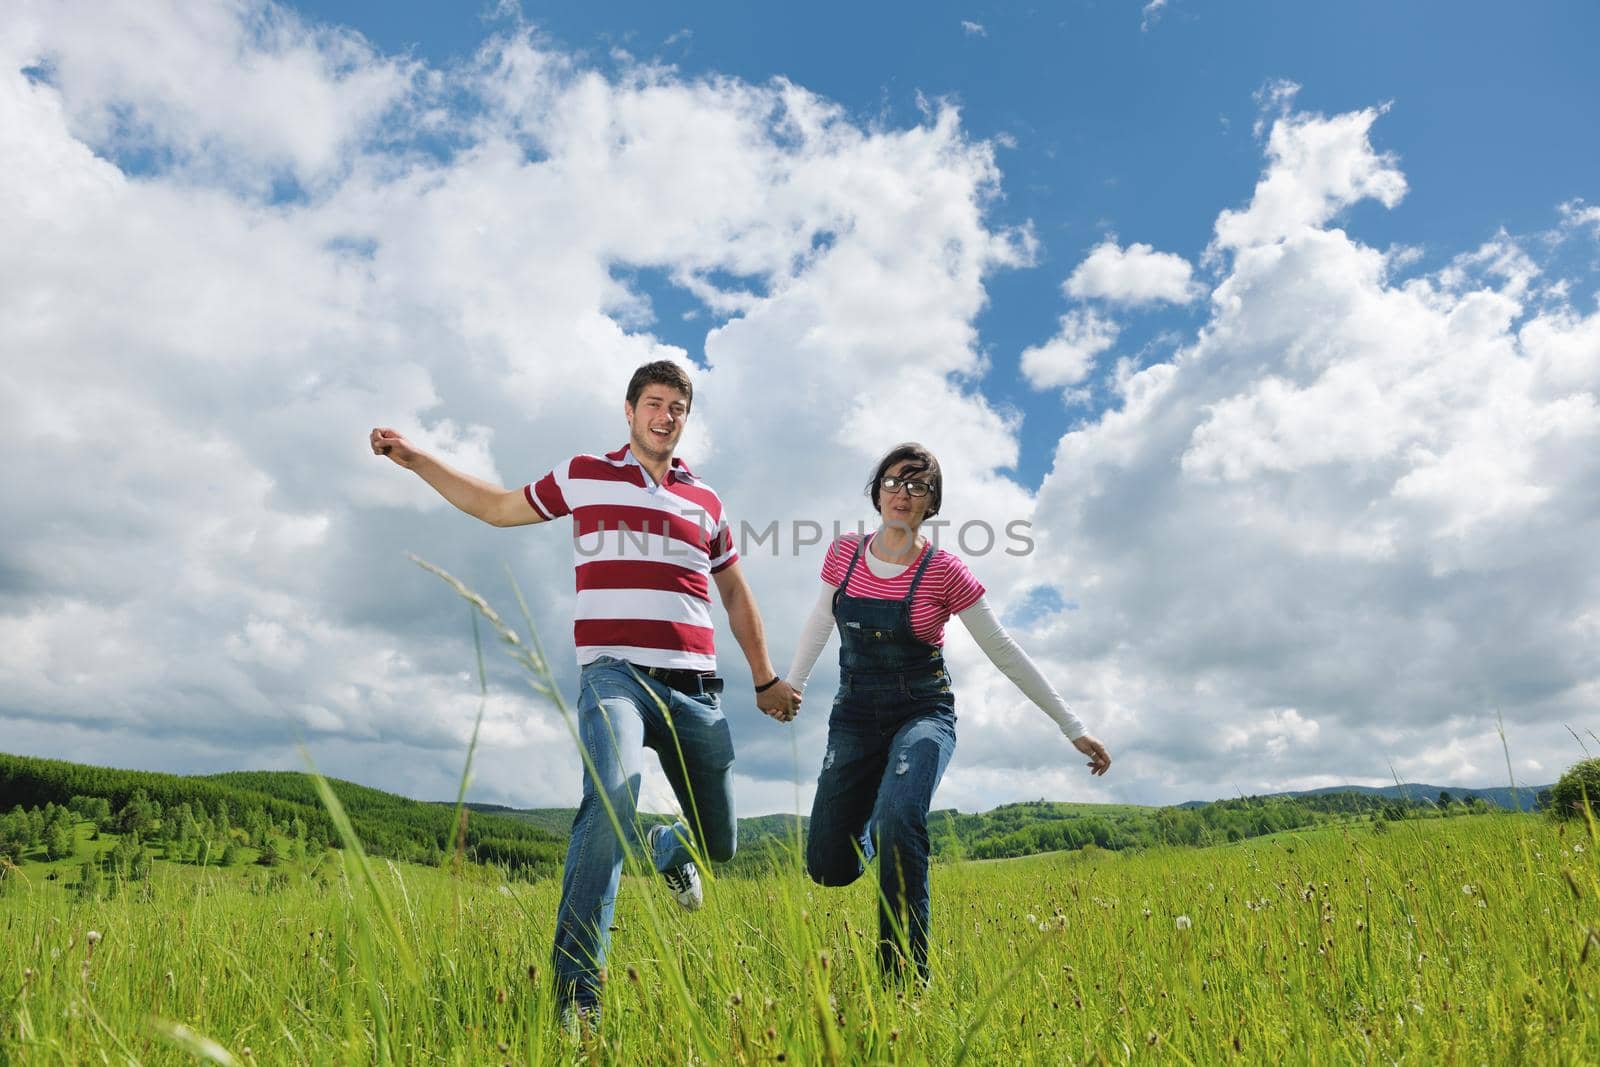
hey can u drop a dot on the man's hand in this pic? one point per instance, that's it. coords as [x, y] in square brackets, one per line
[781, 702]
[1099, 758]
[392, 443]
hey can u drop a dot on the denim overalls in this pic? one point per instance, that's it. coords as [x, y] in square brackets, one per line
[890, 737]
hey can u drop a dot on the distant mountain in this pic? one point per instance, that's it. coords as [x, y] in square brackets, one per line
[1523, 798]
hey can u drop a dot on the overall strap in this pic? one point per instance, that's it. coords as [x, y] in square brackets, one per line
[855, 557]
[927, 558]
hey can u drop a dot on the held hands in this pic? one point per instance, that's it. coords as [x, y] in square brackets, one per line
[1099, 758]
[392, 443]
[781, 702]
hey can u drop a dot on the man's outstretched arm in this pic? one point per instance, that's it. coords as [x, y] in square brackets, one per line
[478, 498]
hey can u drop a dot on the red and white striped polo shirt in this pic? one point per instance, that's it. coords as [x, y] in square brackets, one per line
[643, 555]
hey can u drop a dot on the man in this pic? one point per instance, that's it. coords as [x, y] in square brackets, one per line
[649, 537]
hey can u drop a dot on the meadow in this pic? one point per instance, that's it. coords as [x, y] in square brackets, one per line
[1442, 941]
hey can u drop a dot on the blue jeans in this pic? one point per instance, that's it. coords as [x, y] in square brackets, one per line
[620, 713]
[888, 746]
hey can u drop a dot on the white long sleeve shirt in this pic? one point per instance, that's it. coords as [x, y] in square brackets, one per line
[981, 623]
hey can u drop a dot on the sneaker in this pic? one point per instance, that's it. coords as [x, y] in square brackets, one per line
[683, 880]
[579, 1023]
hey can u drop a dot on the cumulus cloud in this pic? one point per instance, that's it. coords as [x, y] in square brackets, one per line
[1134, 275]
[1350, 518]
[199, 552]
[1316, 167]
[1068, 357]
[1367, 498]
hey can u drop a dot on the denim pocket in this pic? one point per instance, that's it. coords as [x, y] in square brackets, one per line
[933, 689]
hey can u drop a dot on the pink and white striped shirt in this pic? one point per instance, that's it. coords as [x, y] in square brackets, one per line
[643, 555]
[948, 587]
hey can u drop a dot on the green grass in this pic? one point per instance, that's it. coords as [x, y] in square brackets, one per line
[1321, 946]
[1440, 941]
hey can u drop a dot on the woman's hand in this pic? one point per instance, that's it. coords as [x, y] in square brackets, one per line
[781, 702]
[1099, 758]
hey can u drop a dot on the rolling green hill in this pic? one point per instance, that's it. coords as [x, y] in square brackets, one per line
[191, 815]
[253, 805]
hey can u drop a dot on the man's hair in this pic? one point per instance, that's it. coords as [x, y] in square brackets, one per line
[922, 462]
[661, 372]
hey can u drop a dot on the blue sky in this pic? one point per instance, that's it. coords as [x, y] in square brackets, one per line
[1125, 122]
[1277, 322]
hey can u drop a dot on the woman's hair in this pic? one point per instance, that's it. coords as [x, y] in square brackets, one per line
[922, 462]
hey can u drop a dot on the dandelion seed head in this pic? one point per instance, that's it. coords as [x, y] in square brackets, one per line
[93, 937]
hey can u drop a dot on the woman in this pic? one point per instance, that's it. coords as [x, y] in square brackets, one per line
[893, 725]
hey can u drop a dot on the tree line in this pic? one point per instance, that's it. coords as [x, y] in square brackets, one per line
[198, 817]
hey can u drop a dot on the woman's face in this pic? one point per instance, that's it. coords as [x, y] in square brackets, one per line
[900, 508]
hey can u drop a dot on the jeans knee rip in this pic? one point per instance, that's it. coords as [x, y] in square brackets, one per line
[827, 761]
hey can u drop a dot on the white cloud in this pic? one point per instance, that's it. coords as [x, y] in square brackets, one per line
[1575, 214]
[1316, 167]
[1068, 357]
[1271, 735]
[1366, 498]
[241, 89]
[973, 29]
[1151, 13]
[204, 363]
[1134, 275]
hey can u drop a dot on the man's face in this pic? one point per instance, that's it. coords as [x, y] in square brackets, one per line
[656, 421]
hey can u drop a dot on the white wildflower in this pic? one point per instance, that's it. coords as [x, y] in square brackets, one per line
[1182, 922]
